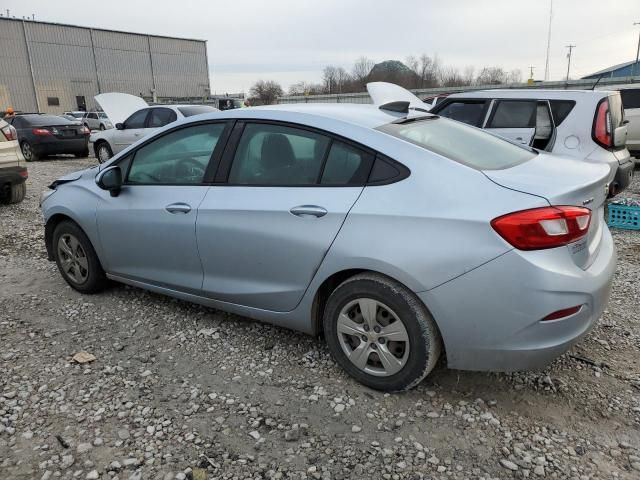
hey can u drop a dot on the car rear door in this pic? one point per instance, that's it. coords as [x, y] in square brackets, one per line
[469, 111]
[147, 232]
[282, 194]
[514, 120]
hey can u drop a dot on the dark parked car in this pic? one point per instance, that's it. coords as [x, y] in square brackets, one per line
[41, 134]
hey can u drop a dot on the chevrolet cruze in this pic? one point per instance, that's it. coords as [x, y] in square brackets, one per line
[399, 235]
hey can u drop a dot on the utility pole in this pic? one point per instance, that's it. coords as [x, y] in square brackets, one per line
[531, 71]
[570, 47]
[633, 68]
[546, 66]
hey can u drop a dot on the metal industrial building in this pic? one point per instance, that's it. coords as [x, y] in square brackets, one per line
[621, 70]
[51, 67]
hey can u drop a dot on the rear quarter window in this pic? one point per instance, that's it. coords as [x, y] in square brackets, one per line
[561, 110]
[461, 143]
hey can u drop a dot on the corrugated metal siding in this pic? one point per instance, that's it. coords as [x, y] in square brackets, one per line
[73, 61]
[16, 87]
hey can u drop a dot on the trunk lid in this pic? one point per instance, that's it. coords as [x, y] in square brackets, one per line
[564, 181]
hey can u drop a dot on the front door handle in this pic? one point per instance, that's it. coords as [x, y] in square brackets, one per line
[178, 208]
[309, 210]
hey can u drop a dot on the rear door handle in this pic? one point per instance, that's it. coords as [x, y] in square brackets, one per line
[178, 208]
[309, 210]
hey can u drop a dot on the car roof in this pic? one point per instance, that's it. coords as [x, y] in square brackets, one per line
[532, 93]
[369, 116]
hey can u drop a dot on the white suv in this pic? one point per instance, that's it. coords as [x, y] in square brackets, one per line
[579, 123]
[631, 102]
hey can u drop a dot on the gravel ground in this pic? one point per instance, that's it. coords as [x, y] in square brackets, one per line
[180, 391]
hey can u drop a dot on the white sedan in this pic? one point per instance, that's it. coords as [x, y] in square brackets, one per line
[135, 119]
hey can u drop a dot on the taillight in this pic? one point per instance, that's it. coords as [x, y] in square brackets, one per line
[24, 173]
[41, 132]
[546, 227]
[10, 132]
[565, 312]
[602, 133]
[85, 131]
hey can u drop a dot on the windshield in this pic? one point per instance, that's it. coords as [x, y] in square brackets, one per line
[195, 110]
[102, 115]
[461, 143]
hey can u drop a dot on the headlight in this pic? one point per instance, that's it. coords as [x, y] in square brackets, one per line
[44, 195]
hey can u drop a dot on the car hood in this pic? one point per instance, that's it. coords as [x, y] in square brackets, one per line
[119, 106]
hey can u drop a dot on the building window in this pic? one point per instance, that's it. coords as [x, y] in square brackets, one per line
[53, 101]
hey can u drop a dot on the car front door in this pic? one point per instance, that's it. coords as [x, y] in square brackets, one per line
[147, 232]
[264, 232]
[514, 120]
[134, 128]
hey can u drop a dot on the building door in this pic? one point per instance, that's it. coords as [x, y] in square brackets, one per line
[82, 103]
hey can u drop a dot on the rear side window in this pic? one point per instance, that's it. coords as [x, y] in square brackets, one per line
[346, 165]
[469, 112]
[560, 109]
[461, 143]
[278, 155]
[161, 116]
[514, 114]
[630, 97]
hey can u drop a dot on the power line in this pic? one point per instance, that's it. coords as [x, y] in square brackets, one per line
[570, 47]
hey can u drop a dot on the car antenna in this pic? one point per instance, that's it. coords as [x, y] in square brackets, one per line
[597, 81]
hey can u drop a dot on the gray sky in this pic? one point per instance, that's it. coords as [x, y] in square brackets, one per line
[292, 40]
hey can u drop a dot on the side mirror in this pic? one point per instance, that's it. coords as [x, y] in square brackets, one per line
[110, 179]
[120, 126]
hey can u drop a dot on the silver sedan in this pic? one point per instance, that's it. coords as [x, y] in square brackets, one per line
[396, 234]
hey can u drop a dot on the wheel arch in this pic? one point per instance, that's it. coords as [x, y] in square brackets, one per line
[323, 292]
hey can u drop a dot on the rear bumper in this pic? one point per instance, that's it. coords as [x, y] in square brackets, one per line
[58, 146]
[13, 175]
[490, 318]
[622, 179]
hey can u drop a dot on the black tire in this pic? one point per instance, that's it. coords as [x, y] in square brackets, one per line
[102, 127]
[28, 153]
[82, 154]
[18, 192]
[425, 343]
[96, 280]
[107, 151]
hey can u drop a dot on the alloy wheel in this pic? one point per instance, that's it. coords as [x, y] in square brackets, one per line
[26, 151]
[103, 153]
[73, 259]
[373, 337]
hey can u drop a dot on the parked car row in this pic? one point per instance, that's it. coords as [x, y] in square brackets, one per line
[397, 233]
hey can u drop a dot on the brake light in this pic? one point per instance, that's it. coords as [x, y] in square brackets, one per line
[546, 227]
[24, 173]
[10, 132]
[602, 132]
[85, 131]
[41, 132]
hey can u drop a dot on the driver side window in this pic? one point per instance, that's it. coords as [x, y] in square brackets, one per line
[136, 120]
[177, 158]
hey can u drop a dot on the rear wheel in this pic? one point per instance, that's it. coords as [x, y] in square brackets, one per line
[102, 127]
[380, 333]
[103, 152]
[28, 153]
[77, 260]
[18, 192]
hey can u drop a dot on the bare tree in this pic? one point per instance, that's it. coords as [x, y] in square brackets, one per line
[329, 79]
[306, 88]
[467, 75]
[342, 79]
[514, 76]
[491, 76]
[451, 77]
[360, 72]
[265, 92]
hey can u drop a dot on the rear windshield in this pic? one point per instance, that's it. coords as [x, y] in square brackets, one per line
[467, 145]
[39, 120]
[195, 110]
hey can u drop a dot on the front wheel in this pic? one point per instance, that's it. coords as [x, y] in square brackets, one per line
[103, 152]
[381, 333]
[76, 259]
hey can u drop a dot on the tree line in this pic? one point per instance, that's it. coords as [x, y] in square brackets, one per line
[423, 71]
